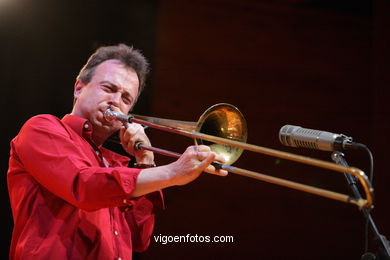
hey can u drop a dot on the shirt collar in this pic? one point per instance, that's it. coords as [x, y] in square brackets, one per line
[84, 129]
[78, 124]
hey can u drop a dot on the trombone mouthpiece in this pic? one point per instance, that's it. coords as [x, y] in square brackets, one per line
[109, 115]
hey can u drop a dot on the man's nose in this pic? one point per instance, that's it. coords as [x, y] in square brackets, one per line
[115, 99]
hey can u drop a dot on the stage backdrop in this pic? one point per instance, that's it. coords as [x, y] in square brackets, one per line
[318, 64]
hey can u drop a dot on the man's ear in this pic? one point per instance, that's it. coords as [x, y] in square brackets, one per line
[78, 86]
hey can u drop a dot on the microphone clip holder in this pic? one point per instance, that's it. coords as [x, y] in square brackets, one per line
[381, 242]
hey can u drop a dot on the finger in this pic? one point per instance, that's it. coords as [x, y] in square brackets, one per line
[121, 132]
[140, 138]
[219, 158]
[124, 141]
[211, 169]
[206, 162]
[131, 131]
[201, 156]
[127, 140]
[202, 148]
[134, 127]
[205, 149]
[124, 135]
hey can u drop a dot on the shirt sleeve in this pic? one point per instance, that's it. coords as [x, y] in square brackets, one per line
[62, 166]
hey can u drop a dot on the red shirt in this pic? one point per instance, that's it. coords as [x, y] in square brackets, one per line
[66, 203]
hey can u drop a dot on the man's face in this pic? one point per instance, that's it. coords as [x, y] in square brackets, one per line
[112, 85]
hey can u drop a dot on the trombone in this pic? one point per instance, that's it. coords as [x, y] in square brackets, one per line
[223, 128]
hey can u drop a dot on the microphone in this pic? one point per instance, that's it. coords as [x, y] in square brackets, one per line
[296, 136]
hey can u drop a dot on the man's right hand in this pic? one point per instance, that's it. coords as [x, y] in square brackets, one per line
[187, 168]
[193, 162]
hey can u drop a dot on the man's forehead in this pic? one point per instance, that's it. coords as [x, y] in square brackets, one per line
[113, 65]
[114, 70]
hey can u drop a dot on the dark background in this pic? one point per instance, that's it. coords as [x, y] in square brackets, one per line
[318, 64]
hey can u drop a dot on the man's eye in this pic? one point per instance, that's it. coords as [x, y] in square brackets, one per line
[126, 100]
[108, 88]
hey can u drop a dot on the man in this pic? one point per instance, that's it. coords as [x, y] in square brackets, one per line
[73, 199]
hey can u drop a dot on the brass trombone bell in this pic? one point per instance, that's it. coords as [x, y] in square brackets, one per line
[223, 120]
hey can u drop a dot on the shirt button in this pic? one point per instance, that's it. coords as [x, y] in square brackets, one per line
[124, 201]
[116, 233]
[86, 126]
[119, 258]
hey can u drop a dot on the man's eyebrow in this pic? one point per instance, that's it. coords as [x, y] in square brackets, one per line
[109, 83]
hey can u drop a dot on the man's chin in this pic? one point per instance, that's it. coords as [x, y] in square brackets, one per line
[106, 125]
[113, 129]
[114, 126]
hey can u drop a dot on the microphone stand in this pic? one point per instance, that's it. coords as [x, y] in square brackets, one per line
[381, 242]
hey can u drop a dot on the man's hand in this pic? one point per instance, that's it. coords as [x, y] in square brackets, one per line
[186, 169]
[192, 163]
[131, 135]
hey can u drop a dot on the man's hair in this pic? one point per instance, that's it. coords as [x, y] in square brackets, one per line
[128, 56]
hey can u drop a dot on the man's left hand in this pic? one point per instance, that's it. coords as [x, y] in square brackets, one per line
[131, 135]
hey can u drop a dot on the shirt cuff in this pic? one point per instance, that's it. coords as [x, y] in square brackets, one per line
[127, 178]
